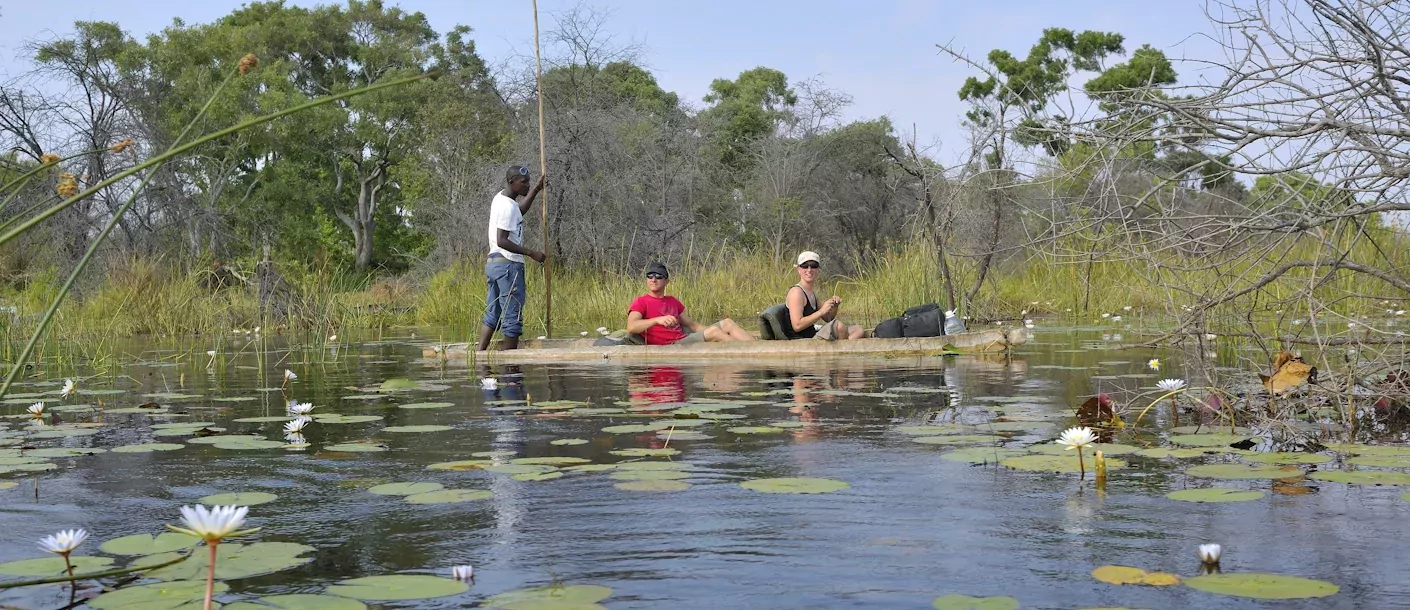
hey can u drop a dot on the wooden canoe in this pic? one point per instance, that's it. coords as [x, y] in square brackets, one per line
[555, 350]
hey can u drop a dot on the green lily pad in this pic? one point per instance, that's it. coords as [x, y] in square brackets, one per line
[756, 430]
[184, 424]
[980, 455]
[1363, 477]
[1208, 429]
[405, 489]
[1281, 457]
[63, 452]
[494, 454]
[157, 596]
[955, 601]
[1088, 451]
[1262, 586]
[234, 399]
[426, 405]
[225, 438]
[653, 465]
[683, 435]
[1243, 471]
[397, 587]
[1215, 439]
[795, 485]
[397, 384]
[8, 484]
[1169, 452]
[569, 441]
[148, 448]
[519, 469]
[355, 448]
[54, 566]
[936, 430]
[1042, 462]
[1376, 450]
[653, 485]
[449, 496]
[461, 465]
[417, 429]
[644, 452]
[234, 561]
[958, 439]
[39, 467]
[1214, 494]
[649, 475]
[635, 428]
[239, 498]
[248, 445]
[263, 419]
[1377, 461]
[537, 476]
[146, 544]
[345, 419]
[550, 461]
[545, 598]
[299, 601]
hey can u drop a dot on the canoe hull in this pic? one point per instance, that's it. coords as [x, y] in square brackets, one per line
[554, 350]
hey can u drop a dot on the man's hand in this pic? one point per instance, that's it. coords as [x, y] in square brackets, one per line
[543, 181]
[668, 321]
[537, 256]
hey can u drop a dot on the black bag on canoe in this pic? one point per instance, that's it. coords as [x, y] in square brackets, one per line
[923, 321]
[888, 329]
[771, 323]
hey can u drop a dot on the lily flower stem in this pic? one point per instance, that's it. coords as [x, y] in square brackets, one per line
[1174, 412]
[68, 566]
[1081, 465]
[210, 575]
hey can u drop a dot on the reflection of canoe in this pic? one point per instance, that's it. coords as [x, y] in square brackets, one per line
[582, 349]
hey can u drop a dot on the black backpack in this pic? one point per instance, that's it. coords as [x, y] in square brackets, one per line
[888, 329]
[923, 321]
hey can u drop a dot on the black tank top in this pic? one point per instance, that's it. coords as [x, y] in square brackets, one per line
[810, 307]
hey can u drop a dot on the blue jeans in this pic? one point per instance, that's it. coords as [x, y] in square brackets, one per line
[504, 296]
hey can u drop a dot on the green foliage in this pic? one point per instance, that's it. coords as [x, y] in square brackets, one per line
[745, 109]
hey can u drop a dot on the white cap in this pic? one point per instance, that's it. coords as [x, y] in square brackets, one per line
[808, 255]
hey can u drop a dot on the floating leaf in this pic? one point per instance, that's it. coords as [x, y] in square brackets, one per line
[299, 601]
[449, 496]
[1244, 471]
[795, 485]
[569, 441]
[644, 452]
[148, 448]
[653, 485]
[1168, 452]
[184, 424]
[1209, 429]
[560, 596]
[959, 439]
[590, 468]
[146, 544]
[54, 566]
[1281, 457]
[1376, 450]
[683, 435]
[649, 475]
[955, 601]
[346, 419]
[1262, 586]
[356, 447]
[981, 455]
[234, 561]
[551, 461]
[398, 587]
[248, 445]
[653, 465]
[397, 384]
[936, 430]
[405, 489]
[234, 399]
[427, 405]
[1363, 477]
[225, 438]
[1125, 575]
[417, 429]
[537, 476]
[156, 596]
[519, 469]
[8, 484]
[1088, 451]
[1216, 439]
[262, 419]
[493, 454]
[63, 452]
[1042, 462]
[461, 465]
[1214, 494]
[1389, 461]
[636, 428]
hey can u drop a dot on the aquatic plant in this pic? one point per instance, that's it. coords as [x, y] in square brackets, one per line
[490, 383]
[288, 376]
[1100, 463]
[1209, 553]
[36, 409]
[1171, 385]
[1077, 438]
[297, 424]
[62, 544]
[300, 408]
[212, 525]
[69, 389]
[1154, 364]
[463, 572]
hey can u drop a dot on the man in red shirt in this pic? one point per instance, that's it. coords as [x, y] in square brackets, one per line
[661, 319]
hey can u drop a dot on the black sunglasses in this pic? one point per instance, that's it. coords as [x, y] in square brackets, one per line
[655, 276]
[809, 265]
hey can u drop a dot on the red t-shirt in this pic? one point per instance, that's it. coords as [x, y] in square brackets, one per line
[652, 307]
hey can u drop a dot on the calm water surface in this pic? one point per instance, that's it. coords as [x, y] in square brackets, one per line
[912, 526]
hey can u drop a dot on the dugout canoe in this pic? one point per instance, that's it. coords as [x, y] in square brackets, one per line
[555, 350]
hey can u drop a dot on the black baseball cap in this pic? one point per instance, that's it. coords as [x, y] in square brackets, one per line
[657, 268]
[515, 171]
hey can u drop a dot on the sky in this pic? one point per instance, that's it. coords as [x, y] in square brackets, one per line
[882, 52]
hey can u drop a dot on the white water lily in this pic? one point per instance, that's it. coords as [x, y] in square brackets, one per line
[210, 352]
[489, 383]
[1127, 308]
[300, 408]
[69, 389]
[1209, 553]
[1106, 315]
[332, 338]
[257, 330]
[212, 524]
[1116, 318]
[290, 375]
[294, 438]
[63, 542]
[297, 424]
[36, 409]
[1171, 385]
[1154, 364]
[463, 572]
[1076, 438]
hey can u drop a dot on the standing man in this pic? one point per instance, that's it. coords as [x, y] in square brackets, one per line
[504, 270]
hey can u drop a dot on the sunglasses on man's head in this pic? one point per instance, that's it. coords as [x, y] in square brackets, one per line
[655, 276]
[523, 171]
[809, 265]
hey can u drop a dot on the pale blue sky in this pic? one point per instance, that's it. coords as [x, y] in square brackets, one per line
[881, 52]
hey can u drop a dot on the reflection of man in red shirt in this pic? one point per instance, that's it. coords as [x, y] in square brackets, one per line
[661, 319]
[662, 384]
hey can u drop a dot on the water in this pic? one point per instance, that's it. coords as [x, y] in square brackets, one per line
[911, 527]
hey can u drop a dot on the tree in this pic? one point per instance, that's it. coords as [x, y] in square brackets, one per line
[744, 110]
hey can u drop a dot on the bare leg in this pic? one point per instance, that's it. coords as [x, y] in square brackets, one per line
[486, 333]
[856, 332]
[735, 332]
[508, 343]
[714, 334]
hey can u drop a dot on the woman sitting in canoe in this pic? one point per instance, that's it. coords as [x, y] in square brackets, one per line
[809, 319]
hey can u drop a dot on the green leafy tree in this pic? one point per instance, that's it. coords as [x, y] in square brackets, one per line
[744, 110]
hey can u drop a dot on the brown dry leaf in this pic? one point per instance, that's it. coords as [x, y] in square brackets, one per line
[1289, 371]
[1160, 579]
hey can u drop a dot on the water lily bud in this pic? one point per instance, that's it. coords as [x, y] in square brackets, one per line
[1209, 553]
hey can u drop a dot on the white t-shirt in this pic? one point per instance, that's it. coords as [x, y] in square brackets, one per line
[505, 214]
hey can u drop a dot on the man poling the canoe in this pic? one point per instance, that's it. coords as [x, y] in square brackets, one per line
[660, 319]
[504, 269]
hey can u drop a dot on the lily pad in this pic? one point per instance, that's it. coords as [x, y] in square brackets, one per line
[958, 439]
[1377, 461]
[299, 601]
[537, 476]
[156, 596]
[795, 485]
[397, 384]
[1243, 471]
[590, 468]
[234, 561]
[494, 454]
[1169, 452]
[569, 441]
[356, 448]
[1125, 575]
[653, 465]
[551, 461]
[248, 445]
[184, 424]
[398, 587]
[1214, 494]
[234, 399]
[54, 566]
[427, 405]
[519, 468]
[1208, 429]
[461, 465]
[1376, 450]
[417, 429]
[683, 435]
[1262, 586]
[263, 419]
[1215, 439]
[1363, 477]
[1281, 457]
[635, 428]
[1088, 451]
[955, 601]
[346, 419]
[405, 489]
[936, 430]
[650, 475]
[981, 455]
[756, 430]
[449, 496]
[62, 452]
[225, 438]
[240, 498]
[1042, 462]
[561, 596]
[148, 448]
[146, 544]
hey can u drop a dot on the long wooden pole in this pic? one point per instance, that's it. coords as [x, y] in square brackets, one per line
[543, 204]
